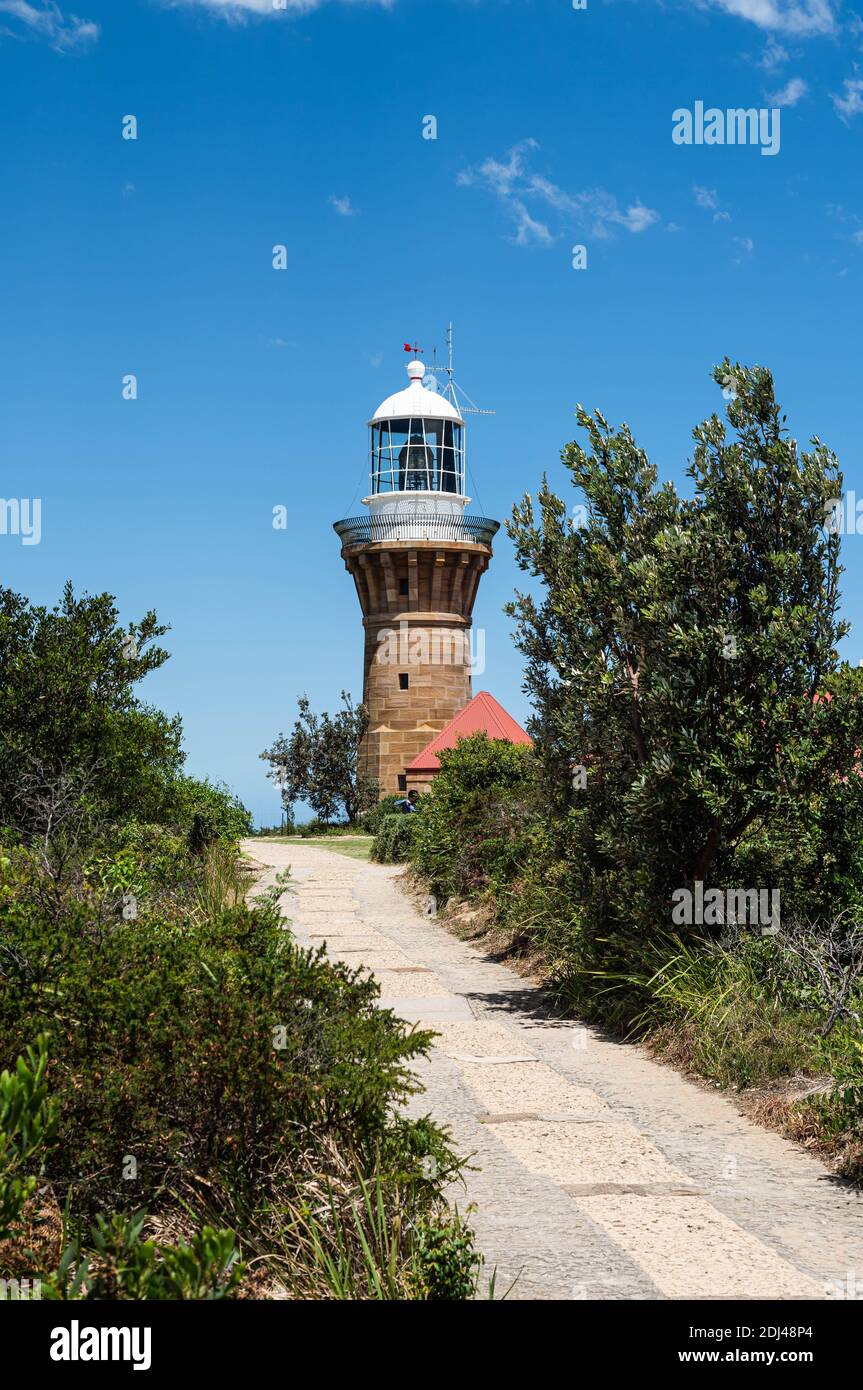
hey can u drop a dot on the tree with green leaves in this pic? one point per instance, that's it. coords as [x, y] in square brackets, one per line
[319, 762]
[681, 657]
[70, 713]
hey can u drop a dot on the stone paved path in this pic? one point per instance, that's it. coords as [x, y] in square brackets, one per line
[600, 1174]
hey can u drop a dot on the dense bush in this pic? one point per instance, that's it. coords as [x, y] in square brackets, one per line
[476, 821]
[680, 659]
[184, 1085]
[395, 838]
[207, 811]
[192, 1054]
[199, 1044]
[370, 821]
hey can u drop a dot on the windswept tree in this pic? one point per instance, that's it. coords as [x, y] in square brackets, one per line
[319, 762]
[71, 715]
[681, 656]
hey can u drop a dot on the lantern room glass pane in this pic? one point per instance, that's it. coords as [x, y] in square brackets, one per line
[417, 455]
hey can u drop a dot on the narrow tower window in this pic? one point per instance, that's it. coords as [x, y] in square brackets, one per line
[404, 680]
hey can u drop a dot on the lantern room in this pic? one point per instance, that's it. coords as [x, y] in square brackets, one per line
[416, 444]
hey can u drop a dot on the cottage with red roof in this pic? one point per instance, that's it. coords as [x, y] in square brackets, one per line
[482, 714]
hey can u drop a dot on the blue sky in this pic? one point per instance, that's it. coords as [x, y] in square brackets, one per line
[258, 127]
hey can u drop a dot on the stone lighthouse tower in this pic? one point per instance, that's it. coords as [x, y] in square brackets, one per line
[416, 560]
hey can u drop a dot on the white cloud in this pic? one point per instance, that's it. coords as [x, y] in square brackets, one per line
[705, 197]
[496, 175]
[239, 10]
[773, 56]
[519, 191]
[528, 229]
[343, 206]
[802, 18]
[747, 246]
[637, 217]
[850, 103]
[43, 19]
[708, 198]
[789, 95]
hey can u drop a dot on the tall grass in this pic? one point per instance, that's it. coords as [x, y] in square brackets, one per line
[223, 881]
[373, 1243]
[708, 1007]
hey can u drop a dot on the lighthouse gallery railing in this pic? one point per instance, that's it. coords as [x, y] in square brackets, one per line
[365, 530]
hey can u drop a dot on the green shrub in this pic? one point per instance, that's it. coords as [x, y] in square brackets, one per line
[27, 1120]
[447, 1262]
[373, 1240]
[207, 1049]
[477, 818]
[207, 811]
[395, 838]
[191, 1060]
[115, 1263]
[370, 821]
[317, 828]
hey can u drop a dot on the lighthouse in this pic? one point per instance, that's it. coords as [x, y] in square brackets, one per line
[416, 559]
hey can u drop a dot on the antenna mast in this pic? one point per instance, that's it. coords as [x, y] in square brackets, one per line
[452, 386]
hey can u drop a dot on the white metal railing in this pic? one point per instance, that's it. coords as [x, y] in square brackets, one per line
[365, 530]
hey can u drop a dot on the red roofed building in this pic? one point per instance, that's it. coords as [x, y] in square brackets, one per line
[482, 714]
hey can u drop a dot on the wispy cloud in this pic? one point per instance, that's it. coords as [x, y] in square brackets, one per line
[795, 90]
[773, 56]
[526, 195]
[850, 102]
[848, 219]
[43, 19]
[705, 197]
[343, 206]
[708, 198]
[239, 10]
[801, 18]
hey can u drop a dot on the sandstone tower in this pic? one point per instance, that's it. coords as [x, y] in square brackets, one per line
[416, 560]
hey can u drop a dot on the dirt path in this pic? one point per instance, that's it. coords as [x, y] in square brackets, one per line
[600, 1173]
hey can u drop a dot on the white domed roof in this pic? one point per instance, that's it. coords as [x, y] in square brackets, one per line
[416, 401]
